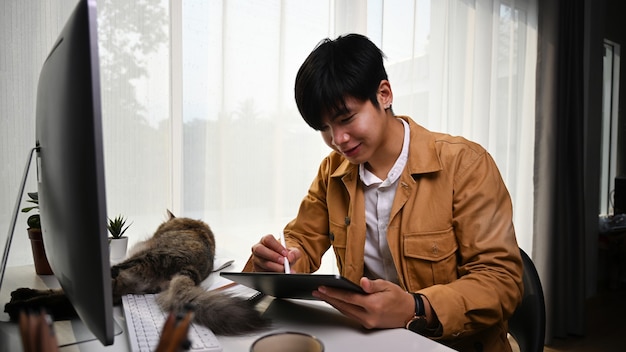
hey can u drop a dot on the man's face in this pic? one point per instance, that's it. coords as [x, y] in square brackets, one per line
[358, 133]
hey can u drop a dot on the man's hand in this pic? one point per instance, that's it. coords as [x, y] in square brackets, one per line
[386, 305]
[269, 255]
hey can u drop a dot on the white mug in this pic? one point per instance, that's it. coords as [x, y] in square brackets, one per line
[288, 341]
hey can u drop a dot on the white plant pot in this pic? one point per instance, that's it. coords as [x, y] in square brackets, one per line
[117, 248]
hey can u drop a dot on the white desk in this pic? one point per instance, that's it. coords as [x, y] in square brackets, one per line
[337, 332]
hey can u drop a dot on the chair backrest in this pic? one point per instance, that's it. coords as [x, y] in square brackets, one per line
[528, 323]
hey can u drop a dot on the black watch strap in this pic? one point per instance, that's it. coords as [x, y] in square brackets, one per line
[418, 322]
[419, 305]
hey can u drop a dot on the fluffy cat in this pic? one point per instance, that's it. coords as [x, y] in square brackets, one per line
[173, 262]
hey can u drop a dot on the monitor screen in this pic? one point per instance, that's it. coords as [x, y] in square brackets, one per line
[70, 171]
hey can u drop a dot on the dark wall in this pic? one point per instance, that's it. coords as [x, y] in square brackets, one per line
[615, 30]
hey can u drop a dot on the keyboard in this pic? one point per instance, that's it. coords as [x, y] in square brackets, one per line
[145, 319]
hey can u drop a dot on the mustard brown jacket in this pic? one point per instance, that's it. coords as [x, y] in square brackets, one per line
[450, 234]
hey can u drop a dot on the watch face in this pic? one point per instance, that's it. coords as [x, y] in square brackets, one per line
[418, 324]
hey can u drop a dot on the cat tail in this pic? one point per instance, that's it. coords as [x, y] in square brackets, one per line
[220, 312]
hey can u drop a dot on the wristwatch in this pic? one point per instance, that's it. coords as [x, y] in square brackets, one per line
[418, 322]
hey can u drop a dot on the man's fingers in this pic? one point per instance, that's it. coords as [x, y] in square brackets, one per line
[273, 244]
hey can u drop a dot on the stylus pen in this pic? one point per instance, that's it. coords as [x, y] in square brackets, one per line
[282, 241]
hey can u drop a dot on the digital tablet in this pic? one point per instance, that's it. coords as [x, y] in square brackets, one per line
[282, 285]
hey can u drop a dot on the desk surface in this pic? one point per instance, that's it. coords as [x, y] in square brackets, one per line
[337, 332]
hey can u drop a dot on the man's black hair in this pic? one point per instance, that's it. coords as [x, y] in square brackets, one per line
[349, 66]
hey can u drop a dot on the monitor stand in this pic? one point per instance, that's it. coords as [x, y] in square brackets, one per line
[20, 193]
[72, 332]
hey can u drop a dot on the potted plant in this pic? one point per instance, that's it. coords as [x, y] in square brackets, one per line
[118, 243]
[42, 267]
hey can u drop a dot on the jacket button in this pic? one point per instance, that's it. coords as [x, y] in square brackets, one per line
[331, 236]
[347, 220]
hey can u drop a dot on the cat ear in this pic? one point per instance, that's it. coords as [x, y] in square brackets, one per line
[169, 213]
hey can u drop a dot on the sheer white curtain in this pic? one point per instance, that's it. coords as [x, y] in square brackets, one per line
[198, 103]
[27, 31]
[462, 67]
[134, 43]
[134, 48]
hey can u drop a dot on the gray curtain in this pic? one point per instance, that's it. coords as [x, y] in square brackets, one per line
[567, 160]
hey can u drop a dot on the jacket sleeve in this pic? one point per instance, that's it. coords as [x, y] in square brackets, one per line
[489, 287]
[309, 230]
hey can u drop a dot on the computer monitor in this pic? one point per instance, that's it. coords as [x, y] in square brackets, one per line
[70, 171]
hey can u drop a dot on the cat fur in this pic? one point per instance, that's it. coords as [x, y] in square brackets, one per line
[172, 263]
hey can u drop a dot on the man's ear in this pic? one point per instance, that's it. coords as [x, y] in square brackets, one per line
[385, 95]
[170, 215]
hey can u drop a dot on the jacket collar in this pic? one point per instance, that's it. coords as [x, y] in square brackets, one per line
[423, 156]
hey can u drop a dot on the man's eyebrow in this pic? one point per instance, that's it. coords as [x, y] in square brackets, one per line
[341, 112]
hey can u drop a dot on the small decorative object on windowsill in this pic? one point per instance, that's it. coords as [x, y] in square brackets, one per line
[42, 267]
[118, 243]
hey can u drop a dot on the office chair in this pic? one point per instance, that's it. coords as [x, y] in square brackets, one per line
[528, 323]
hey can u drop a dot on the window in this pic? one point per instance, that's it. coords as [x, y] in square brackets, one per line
[199, 115]
[461, 67]
[610, 101]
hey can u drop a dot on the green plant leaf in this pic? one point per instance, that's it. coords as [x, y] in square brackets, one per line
[117, 226]
[26, 210]
[33, 221]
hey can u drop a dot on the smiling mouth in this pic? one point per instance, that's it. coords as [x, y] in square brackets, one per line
[350, 152]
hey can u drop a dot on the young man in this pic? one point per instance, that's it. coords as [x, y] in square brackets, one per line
[421, 220]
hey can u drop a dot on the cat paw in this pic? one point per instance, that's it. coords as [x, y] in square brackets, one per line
[23, 294]
[30, 300]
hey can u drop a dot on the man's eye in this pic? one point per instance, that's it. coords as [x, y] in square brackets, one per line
[347, 119]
